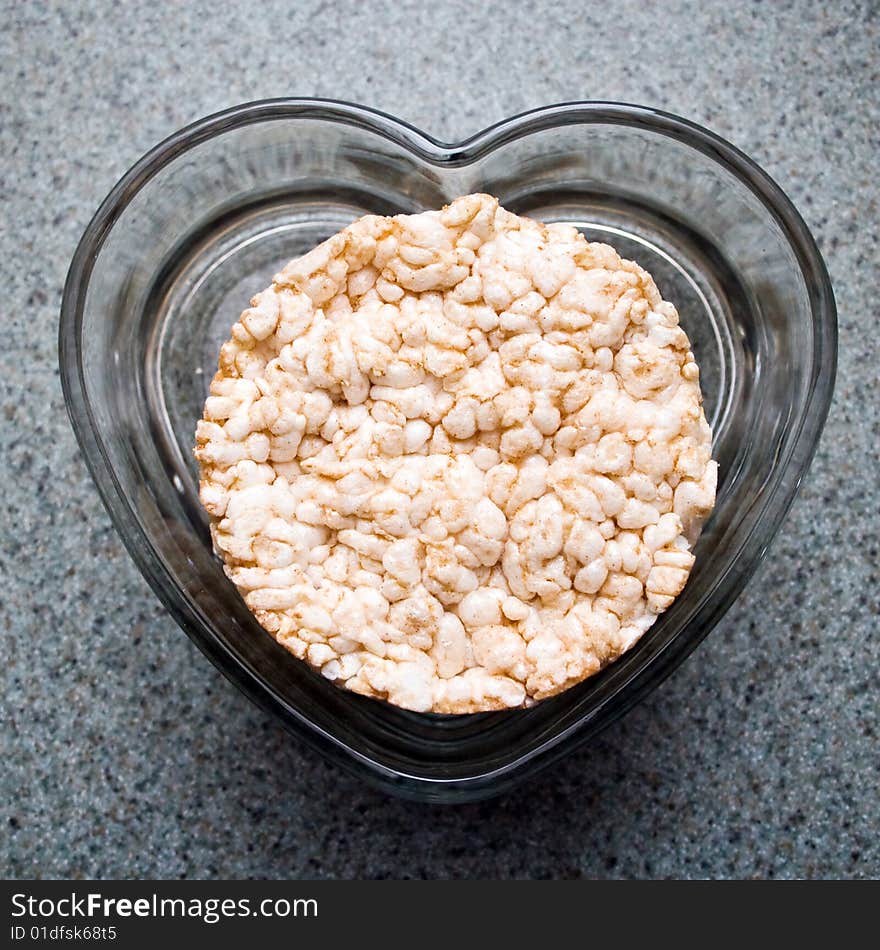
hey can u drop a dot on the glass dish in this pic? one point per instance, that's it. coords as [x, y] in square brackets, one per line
[202, 222]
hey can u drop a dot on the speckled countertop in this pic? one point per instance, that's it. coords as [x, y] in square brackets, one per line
[126, 754]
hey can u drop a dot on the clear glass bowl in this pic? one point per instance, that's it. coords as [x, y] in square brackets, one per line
[203, 221]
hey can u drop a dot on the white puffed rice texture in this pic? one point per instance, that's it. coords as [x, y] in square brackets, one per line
[457, 460]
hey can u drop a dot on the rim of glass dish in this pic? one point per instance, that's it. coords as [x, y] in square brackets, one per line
[781, 488]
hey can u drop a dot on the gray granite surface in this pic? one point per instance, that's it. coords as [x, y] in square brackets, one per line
[124, 753]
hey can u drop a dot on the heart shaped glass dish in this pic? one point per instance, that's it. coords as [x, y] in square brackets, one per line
[202, 222]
